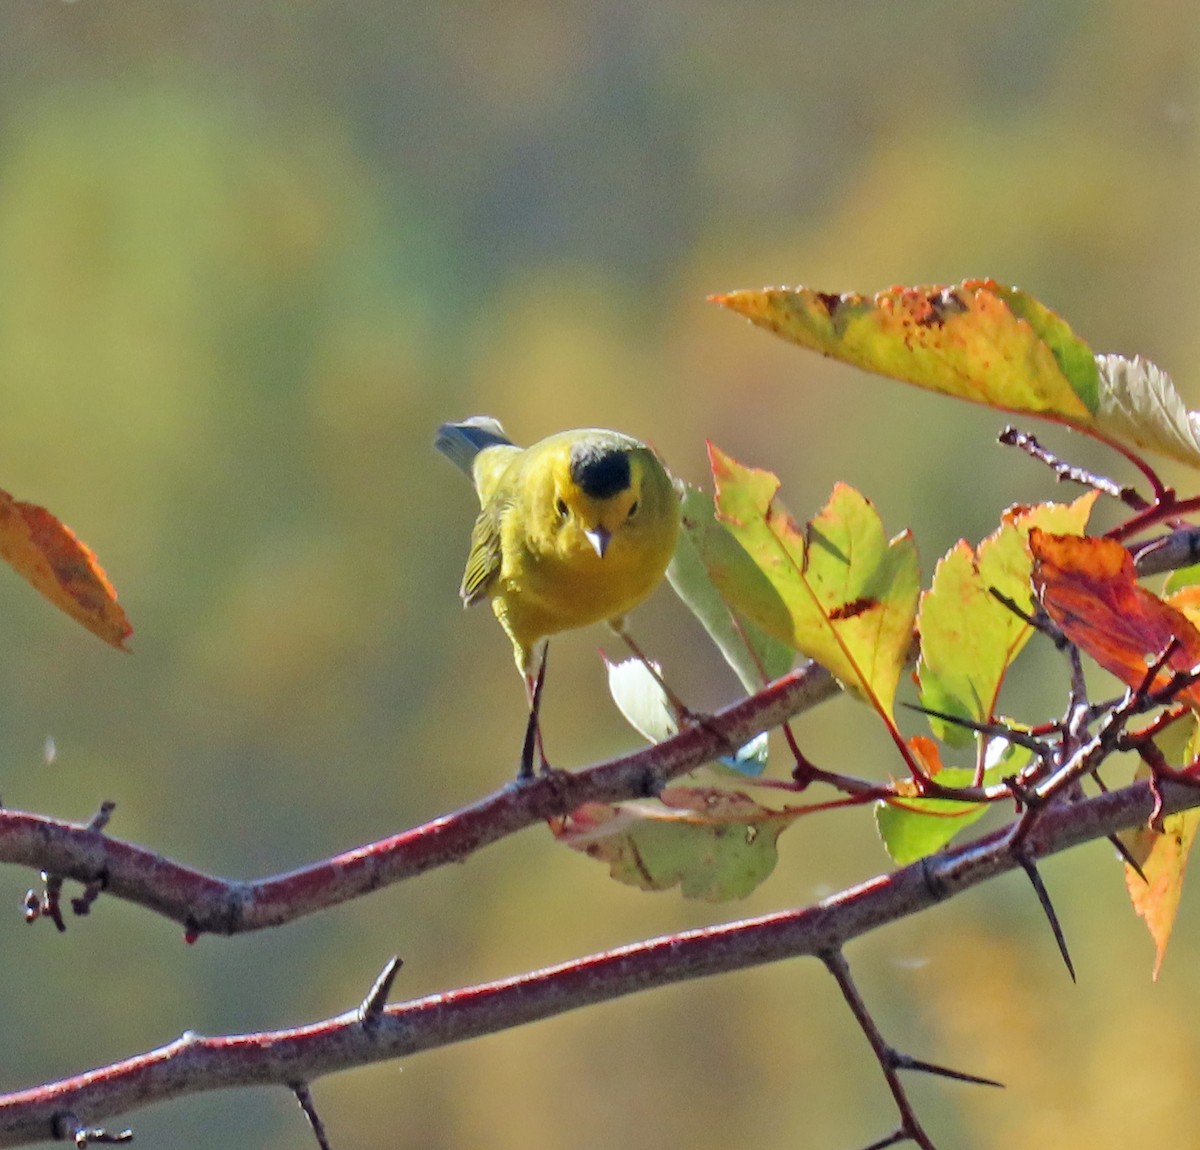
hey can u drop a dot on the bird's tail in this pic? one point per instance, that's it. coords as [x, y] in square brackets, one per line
[461, 442]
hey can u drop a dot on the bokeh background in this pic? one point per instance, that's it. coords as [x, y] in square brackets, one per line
[250, 256]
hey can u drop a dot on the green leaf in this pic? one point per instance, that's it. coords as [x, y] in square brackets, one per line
[968, 637]
[838, 591]
[1180, 578]
[980, 341]
[990, 344]
[704, 543]
[913, 828]
[716, 845]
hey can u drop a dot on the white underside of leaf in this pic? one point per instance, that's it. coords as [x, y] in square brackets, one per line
[1140, 407]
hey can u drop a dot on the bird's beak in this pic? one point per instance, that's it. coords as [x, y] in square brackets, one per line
[599, 539]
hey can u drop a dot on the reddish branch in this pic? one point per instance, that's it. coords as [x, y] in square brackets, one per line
[193, 1064]
[205, 904]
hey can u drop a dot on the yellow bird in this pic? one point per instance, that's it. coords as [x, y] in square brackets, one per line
[577, 529]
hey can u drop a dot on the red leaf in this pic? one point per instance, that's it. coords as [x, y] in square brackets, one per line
[1089, 588]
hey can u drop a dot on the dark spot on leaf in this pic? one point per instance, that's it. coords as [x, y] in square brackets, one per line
[854, 608]
[938, 306]
[829, 301]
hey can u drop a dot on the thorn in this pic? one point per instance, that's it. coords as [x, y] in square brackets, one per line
[372, 1006]
[1128, 858]
[1039, 888]
[100, 819]
[992, 730]
[305, 1098]
[1036, 618]
[907, 1062]
[893, 1139]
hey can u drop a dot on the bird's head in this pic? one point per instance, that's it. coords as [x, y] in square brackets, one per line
[601, 490]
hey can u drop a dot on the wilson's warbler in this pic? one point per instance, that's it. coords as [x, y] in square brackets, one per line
[577, 529]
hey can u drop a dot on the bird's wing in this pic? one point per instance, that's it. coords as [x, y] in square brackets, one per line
[483, 563]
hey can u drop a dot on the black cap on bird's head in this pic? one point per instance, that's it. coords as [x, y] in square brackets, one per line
[600, 470]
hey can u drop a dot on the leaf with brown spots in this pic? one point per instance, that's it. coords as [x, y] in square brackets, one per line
[1089, 588]
[988, 343]
[46, 553]
[837, 589]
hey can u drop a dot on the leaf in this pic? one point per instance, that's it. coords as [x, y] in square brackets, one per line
[754, 655]
[640, 698]
[716, 845]
[1181, 578]
[1163, 855]
[979, 341]
[1163, 859]
[1089, 588]
[1139, 406]
[838, 591]
[969, 638]
[912, 828]
[990, 344]
[46, 552]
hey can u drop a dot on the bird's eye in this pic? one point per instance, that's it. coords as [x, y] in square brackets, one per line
[633, 508]
[561, 508]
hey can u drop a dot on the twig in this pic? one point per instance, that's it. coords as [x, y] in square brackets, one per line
[910, 1126]
[1180, 548]
[1014, 437]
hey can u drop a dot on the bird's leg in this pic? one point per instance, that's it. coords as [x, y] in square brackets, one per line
[533, 730]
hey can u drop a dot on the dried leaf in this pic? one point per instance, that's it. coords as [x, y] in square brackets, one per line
[46, 553]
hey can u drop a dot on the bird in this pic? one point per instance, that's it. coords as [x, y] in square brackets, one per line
[577, 529]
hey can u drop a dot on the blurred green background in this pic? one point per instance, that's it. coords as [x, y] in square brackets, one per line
[251, 255]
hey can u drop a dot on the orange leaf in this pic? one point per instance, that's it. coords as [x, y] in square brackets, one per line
[927, 753]
[1089, 588]
[46, 553]
[1163, 859]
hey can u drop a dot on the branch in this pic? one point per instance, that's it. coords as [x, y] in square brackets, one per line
[205, 904]
[193, 1064]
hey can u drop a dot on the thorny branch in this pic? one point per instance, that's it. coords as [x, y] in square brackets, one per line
[194, 1064]
[206, 904]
